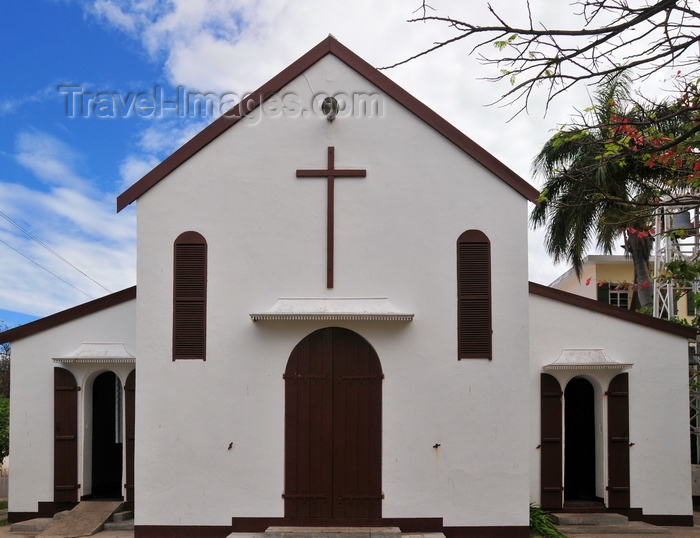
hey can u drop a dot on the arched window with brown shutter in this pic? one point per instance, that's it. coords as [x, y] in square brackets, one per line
[190, 297]
[474, 295]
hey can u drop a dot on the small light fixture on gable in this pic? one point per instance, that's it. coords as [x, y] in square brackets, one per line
[330, 108]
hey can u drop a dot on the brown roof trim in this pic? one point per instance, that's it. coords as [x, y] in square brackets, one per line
[71, 314]
[330, 45]
[613, 311]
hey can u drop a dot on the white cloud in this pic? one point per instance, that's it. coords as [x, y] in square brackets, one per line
[164, 137]
[74, 220]
[135, 167]
[115, 15]
[49, 158]
[237, 45]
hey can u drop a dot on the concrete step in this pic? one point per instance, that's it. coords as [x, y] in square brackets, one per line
[337, 534]
[634, 527]
[36, 525]
[423, 535]
[121, 521]
[126, 525]
[589, 519]
[333, 532]
[123, 516]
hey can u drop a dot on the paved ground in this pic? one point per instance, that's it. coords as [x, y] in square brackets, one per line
[5, 533]
[679, 532]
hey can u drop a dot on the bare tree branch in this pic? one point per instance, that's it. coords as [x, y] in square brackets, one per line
[644, 39]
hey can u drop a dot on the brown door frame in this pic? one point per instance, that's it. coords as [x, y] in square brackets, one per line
[333, 383]
[551, 449]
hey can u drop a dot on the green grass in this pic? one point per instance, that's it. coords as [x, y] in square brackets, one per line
[3, 506]
[541, 523]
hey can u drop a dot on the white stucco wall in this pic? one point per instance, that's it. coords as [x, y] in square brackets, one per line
[31, 410]
[658, 399]
[395, 236]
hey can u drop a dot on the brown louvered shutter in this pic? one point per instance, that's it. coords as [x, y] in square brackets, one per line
[190, 297]
[618, 442]
[65, 445]
[474, 295]
[551, 477]
[130, 430]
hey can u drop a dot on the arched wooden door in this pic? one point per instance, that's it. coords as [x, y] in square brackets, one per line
[333, 427]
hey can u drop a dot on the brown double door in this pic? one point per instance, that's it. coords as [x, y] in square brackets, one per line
[66, 487]
[333, 426]
[552, 449]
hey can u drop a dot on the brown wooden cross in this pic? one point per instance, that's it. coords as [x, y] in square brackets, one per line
[330, 173]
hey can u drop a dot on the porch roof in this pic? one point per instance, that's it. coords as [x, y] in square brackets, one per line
[332, 308]
[98, 353]
[586, 359]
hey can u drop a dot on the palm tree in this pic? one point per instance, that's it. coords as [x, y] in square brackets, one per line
[586, 197]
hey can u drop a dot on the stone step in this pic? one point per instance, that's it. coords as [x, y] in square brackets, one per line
[125, 525]
[338, 535]
[333, 532]
[589, 519]
[634, 527]
[35, 525]
[123, 516]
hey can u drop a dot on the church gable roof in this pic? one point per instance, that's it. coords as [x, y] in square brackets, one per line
[71, 314]
[612, 311]
[328, 46]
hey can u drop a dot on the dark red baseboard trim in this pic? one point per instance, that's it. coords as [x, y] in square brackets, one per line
[259, 524]
[166, 531]
[180, 531]
[669, 521]
[49, 508]
[17, 517]
[662, 520]
[46, 509]
[486, 532]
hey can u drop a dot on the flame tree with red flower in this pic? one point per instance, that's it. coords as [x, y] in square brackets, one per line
[606, 175]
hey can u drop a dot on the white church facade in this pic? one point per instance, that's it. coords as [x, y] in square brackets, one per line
[331, 328]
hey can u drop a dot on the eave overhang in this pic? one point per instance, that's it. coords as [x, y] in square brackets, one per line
[585, 359]
[332, 309]
[91, 353]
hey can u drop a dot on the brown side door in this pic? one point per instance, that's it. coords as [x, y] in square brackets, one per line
[129, 422]
[551, 479]
[618, 442]
[65, 445]
[333, 397]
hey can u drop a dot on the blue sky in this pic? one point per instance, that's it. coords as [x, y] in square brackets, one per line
[62, 166]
